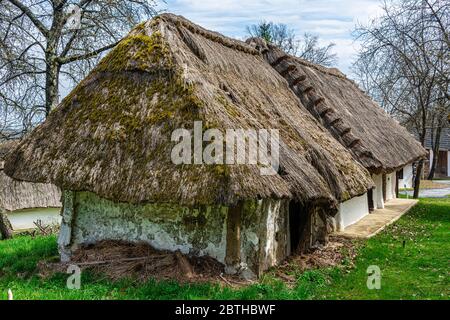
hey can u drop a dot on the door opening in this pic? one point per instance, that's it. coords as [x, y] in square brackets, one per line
[397, 183]
[371, 202]
[298, 218]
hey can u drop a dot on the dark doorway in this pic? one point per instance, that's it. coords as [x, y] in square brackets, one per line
[397, 183]
[298, 218]
[371, 203]
[441, 168]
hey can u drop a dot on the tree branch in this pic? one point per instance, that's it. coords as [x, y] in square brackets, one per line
[88, 55]
[31, 16]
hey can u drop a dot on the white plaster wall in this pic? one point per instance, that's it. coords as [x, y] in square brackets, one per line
[390, 186]
[407, 181]
[352, 211]
[378, 192]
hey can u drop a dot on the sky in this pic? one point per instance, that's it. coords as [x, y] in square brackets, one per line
[332, 20]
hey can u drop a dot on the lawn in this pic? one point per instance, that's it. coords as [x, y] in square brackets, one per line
[413, 256]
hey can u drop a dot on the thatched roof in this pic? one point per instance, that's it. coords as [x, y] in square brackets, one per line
[379, 142]
[112, 134]
[17, 195]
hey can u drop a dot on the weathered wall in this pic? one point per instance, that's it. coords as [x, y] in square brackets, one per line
[17, 195]
[352, 211]
[165, 227]
[265, 238]
[88, 218]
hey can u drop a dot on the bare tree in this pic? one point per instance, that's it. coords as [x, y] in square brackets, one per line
[42, 41]
[404, 64]
[307, 47]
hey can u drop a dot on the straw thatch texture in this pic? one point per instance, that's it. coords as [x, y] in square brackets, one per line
[111, 135]
[379, 142]
[17, 195]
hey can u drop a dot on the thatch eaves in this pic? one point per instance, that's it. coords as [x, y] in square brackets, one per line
[112, 134]
[375, 139]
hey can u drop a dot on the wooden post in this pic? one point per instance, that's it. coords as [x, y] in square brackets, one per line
[6, 230]
[65, 232]
[384, 187]
[233, 251]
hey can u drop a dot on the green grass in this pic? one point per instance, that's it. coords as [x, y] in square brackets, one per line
[418, 270]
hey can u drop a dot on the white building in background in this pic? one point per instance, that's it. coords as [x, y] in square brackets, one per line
[443, 160]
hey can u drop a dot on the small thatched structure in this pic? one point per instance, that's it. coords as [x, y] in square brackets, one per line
[376, 140]
[108, 145]
[18, 195]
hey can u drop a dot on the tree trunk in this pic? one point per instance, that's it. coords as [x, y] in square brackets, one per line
[51, 84]
[436, 148]
[417, 179]
[6, 230]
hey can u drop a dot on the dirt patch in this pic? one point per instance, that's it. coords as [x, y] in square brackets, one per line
[338, 250]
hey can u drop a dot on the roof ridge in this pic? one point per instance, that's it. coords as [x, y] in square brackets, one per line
[330, 71]
[210, 35]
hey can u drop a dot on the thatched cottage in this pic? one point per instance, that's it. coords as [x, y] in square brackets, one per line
[108, 146]
[385, 148]
[17, 195]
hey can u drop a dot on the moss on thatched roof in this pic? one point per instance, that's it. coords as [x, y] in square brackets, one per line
[112, 134]
[379, 142]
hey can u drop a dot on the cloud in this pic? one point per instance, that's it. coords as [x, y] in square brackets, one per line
[332, 20]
